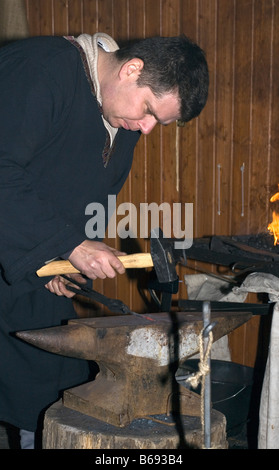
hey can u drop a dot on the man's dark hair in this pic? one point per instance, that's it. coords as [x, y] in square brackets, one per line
[171, 64]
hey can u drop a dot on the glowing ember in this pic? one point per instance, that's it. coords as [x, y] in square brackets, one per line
[273, 227]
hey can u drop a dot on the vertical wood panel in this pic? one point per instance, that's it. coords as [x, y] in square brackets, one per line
[90, 16]
[60, 18]
[46, 17]
[136, 18]
[274, 108]
[205, 125]
[75, 16]
[260, 116]
[223, 130]
[206, 147]
[241, 150]
[120, 16]
[242, 117]
[105, 16]
[33, 17]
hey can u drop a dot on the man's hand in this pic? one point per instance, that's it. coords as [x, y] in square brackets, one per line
[92, 259]
[97, 260]
[58, 285]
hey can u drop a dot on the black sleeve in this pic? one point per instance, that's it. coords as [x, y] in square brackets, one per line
[32, 106]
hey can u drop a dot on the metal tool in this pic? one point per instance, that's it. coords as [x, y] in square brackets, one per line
[115, 305]
[207, 328]
[163, 257]
[162, 292]
[219, 306]
[203, 375]
[239, 252]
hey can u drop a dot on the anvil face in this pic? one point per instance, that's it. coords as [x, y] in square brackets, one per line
[93, 338]
[137, 359]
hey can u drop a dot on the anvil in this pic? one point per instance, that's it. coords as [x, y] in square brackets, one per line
[137, 359]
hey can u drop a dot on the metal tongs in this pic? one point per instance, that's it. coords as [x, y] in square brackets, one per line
[115, 305]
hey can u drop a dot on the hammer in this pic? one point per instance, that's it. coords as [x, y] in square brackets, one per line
[163, 258]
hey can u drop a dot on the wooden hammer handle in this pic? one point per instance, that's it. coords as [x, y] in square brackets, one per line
[137, 260]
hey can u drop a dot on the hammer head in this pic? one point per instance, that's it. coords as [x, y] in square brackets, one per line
[165, 256]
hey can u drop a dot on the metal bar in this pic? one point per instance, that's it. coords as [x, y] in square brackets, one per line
[207, 379]
[242, 189]
[219, 189]
[219, 306]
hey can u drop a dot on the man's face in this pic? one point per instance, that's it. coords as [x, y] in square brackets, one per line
[133, 108]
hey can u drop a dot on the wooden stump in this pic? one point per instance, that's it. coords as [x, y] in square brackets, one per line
[69, 429]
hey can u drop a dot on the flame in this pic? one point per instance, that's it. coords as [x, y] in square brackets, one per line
[275, 197]
[273, 227]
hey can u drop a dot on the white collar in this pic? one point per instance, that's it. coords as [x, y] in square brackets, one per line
[90, 46]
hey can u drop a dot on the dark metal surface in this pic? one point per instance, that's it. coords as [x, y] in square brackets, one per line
[164, 256]
[216, 306]
[243, 253]
[115, 305]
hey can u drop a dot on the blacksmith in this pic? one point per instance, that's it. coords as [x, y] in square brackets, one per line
[71, 113]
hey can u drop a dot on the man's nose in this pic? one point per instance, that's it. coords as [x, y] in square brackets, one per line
[147, 124]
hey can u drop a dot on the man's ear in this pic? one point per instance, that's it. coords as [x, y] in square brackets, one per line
[131, 69]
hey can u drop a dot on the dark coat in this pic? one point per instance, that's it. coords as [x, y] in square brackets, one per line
[52, 139]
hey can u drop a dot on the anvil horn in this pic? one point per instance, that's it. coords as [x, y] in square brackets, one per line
[74, 340]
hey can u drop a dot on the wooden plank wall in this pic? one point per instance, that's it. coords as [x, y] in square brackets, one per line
[226, 161]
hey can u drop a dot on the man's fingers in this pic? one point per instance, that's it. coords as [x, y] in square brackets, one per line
[58, 287]
[97, 260]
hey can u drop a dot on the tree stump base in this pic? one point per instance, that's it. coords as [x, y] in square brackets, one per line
[65, 428]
